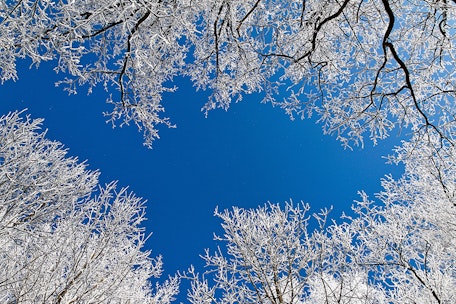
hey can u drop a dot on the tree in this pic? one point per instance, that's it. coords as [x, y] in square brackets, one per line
[272, 257]
[61, 241]
[407, 241]
[361, 66]
[398, 250]
[269, 253]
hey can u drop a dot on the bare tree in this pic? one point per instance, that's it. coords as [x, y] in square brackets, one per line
[400, 249]
[272, 256]
[268, 257]
[407, 240]
[61, 240]
[360, 66]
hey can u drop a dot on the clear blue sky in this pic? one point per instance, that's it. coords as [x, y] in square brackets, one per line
[244, 157]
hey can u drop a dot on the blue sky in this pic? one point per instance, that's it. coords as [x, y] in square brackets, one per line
[244, 157]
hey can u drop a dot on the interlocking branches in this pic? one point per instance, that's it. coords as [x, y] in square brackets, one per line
[360, 66]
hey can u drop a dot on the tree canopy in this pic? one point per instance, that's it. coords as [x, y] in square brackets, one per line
[360, 66]
[397, 249]
[61, 239]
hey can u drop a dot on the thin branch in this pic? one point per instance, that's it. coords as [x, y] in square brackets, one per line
[127, 56]
[247, 16]
[318, 28]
